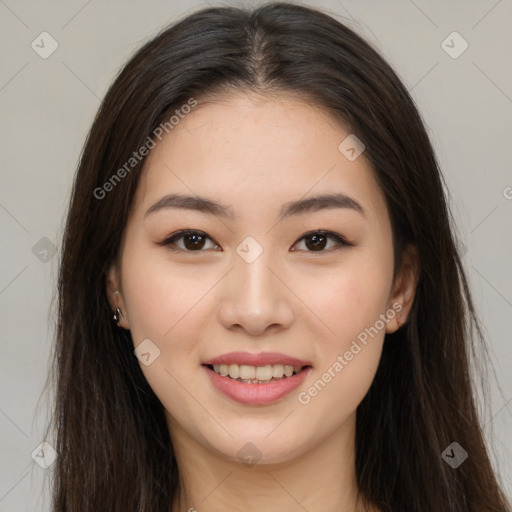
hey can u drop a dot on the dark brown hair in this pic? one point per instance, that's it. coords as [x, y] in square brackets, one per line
[111, 435]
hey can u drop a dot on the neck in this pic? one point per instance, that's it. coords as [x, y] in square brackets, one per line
[320, 479]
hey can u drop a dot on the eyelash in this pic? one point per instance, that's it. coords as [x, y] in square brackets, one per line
[169, 241]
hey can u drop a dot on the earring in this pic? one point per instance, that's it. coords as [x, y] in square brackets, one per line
[398, 322]
[117, 315]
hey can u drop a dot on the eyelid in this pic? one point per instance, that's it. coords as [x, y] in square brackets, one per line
[168, 241]
[181, 233]
[341, 241]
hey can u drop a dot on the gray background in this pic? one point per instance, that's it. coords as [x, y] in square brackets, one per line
[47, 108]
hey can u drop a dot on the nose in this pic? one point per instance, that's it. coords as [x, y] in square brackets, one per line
[255, 297]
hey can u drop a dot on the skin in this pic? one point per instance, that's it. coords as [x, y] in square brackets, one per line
[303, 302]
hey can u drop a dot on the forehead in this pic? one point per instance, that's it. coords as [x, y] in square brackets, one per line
[254, 152]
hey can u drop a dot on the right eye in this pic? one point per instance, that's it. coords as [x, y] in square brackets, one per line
[193, 241]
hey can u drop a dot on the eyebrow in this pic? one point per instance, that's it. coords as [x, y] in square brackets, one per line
[301, 206]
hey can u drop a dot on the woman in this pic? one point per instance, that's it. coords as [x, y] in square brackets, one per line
[262, 306]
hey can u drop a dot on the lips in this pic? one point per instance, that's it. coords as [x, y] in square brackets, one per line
[252, 392]
[257, 394]
[261, 359]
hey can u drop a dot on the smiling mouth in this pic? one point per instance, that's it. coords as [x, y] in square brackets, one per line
[256, 374]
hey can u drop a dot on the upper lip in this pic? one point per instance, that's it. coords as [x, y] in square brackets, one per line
[261, 359]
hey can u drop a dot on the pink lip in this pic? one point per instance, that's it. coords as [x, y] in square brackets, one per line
[262, 359]
[257, 394]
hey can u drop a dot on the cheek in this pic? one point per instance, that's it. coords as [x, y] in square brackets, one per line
[352, 305]
[350, 300]
[156, 297]
[349, 358]
[163, 307]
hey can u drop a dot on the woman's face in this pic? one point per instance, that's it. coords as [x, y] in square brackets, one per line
[257, 281]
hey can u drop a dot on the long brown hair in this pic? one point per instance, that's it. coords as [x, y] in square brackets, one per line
[111, 435]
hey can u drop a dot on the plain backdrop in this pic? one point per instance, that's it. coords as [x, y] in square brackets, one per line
[47, 107]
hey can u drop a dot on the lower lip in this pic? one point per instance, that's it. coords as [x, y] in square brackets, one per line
[257, 394]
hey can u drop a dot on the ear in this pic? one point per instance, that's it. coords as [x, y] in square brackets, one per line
[404, 288]
[115, 295]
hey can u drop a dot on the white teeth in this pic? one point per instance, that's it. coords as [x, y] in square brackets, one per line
[277, 371]
[261, 374]
[234, 371]
[264, 372]
[247, 372]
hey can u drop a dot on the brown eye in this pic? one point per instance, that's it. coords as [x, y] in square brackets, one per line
[316, 241]
[193, 241]
[196, 241]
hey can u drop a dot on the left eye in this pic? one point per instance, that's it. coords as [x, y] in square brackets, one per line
[317, 240]
[194, 241]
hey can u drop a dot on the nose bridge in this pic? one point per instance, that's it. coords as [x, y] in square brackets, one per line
[256, 283]
[255, 298]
